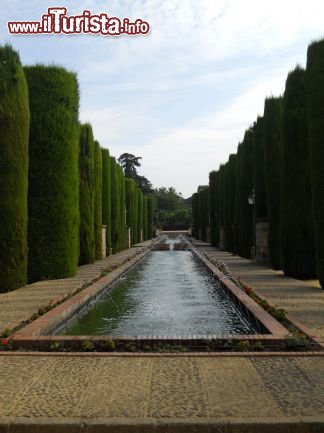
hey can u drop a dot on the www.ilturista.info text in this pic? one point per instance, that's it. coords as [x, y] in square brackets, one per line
[56, 21]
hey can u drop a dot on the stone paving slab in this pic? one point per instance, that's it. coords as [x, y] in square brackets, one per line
[20, 304]
[303, 300]
[192, 393]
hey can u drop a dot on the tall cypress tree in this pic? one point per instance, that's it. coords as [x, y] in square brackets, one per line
[139, 215]
[122, 209]
[213, 199]
[87, 191]
[195, 215]
[272, 157]
[315, 117]
[150, 216]
[106, 196]
[14, 131]
[259, 171]
[53, 192]
[145, 217]
[98, 200]
[297, 237]
[115, 205]
[130, 186]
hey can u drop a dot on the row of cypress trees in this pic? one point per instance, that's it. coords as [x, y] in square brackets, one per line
[281, 160]
[57, 185]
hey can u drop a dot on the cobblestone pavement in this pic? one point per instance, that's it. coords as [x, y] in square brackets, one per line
[303, 300]
[20, 304]
[152, 387]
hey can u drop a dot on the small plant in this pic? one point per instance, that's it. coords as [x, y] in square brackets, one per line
[6, 333]
[56, 345]
[258, 346]
[243, 346]
[109, 345]
[88, 345]
[130, 347]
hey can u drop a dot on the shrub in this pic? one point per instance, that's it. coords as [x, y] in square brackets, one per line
[53, 191]
[97, 200]
[14, 131]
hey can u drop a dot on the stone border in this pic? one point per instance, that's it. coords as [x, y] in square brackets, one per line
[243, 300]
[300, 424]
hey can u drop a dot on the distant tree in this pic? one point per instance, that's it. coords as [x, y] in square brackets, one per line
[129, 163]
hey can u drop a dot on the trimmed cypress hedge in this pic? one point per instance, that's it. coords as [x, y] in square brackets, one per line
[213, 200]
[87, 192]
[203, 203]
[98, 200]
[145, 217]
[150, 216]
[122, 210]
[273, 171]
[259, 177]
[244, 186]
[53, 193]
[297, 237]
[115, 205]
[195, 216]
[230, 184]
[139, 215]
[315, 117]
[106, 196]
[14, 131]
[130, 186]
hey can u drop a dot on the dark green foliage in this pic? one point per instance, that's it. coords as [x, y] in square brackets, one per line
[150, 215]
[214, 208]
[203, 204]
[259, 178]
[315, 117]
[122, 209]
[139, 216]
[131, 190]
[297, 237]
[145, 217]
[106, 196]
[98, 200]
[115, 206]
[53, 194]
[134, 234]
[195, 216]
[229, 203]
[14, 130]
[243, 187]
[87, 192]
[272, 157]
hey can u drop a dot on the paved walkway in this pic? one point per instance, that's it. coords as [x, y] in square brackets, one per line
[303, 300]
[20, 304]
[192, 394]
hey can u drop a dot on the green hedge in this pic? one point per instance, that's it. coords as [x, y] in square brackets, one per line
[213, 201]
[315, 117]
[53, 194]
[139, 215]
[272, 157]
[297, 235]
[87, 192]
[115, 205]
[98, 200]
[14, 131]
[259, 176]
[229, 205]
[131, 190]
[150, 217]
[145, 217]
[106, 197]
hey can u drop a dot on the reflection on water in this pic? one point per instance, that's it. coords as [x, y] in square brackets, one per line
[168, 293]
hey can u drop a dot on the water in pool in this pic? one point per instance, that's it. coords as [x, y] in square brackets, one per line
[168, 293]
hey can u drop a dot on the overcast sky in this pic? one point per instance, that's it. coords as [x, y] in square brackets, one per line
[182, 96]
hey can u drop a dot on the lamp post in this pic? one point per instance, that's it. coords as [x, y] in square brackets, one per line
[251, 201]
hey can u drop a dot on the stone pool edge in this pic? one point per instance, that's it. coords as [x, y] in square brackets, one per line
[33, 336]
